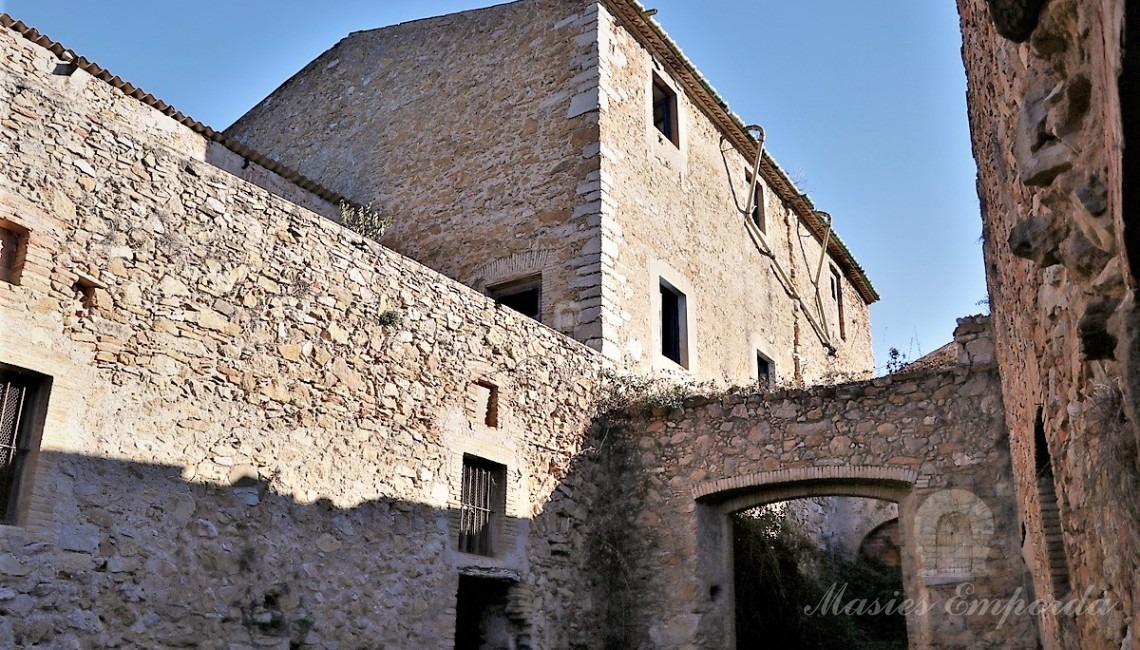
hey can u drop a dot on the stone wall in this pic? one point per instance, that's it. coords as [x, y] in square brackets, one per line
[519, 139]
[473, 130]
[1046, 119]
[676, 208]
[257, 419]
[932, 441]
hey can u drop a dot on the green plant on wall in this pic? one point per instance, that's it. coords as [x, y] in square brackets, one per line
[365, 220]
[390, 317]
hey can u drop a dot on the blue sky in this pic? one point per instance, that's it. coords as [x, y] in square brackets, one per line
[863, 104]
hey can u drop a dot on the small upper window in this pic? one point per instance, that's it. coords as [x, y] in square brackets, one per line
[757, 202]
[523, 295]
[483, 403]
[837, 296]
[22, 397]
[665, 109]
[763, 371]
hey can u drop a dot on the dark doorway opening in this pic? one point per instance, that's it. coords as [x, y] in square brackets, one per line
[1129, 86]
[481, 621]
[797, 565]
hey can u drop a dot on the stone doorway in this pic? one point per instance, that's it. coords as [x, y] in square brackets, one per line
[722, 516]
[798, 564]
[481, 621]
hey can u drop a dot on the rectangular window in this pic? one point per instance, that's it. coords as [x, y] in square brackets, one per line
[837, 296]
[483, 403]
[22, 400]
[673, 324]
[13, 245]
[763, 371]
[523, 295]
[482, 502]
[757, 202]
[665, 110]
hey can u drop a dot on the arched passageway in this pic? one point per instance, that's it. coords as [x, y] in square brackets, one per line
[932, 442]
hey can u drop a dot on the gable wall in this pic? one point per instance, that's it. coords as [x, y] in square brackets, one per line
[236, 448]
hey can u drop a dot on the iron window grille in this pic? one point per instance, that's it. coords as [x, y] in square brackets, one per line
[18, 398]
[481, 502]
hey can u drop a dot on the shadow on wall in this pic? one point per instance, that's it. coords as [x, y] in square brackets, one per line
[134, 554]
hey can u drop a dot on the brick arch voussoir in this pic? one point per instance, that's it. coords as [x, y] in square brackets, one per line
[750, 490]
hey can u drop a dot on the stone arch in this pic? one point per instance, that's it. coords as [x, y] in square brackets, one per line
[717, 499]
[952, 536]
[750, 490]
[881, 544]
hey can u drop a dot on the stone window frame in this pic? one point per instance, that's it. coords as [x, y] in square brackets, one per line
[673, 321]
[664, 107]
[13, 250]
[759, 215]
[662, 275]
[933, 511]
[669, 151]
[487, 413]
[769, 380]
[837, 298]
[17, 487]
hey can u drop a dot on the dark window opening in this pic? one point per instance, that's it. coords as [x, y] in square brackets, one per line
[665, 109]
[523, 295]
[482, 501]
[23, 397]
[757, 203]
[837, 296]
[763, 370]
[13, 246]
[483, 403]
[673, 324]
[64, 69]
[481, 619]
[1129, 88]
[1050, 512]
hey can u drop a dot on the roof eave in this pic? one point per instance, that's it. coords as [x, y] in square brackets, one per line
[647, 32]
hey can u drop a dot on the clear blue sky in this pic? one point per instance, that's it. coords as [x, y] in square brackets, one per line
[863, 104]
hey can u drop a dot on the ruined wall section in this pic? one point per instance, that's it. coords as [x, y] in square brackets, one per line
[1045, 120]
[475, 131]
[257, 419]
[678, 212]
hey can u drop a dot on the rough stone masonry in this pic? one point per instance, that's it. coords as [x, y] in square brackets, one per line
[257, 421]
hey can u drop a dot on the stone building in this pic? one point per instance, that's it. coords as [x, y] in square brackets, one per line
[228, 422]
[565, 157]
[1053, 100]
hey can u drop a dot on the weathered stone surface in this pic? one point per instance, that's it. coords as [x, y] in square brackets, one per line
[573, 183]
[1047, 131]
[236, 451]
[912, 450]
[1015, 19]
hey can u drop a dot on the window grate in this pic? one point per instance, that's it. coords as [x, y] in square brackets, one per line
[479, 499]
[13, 448]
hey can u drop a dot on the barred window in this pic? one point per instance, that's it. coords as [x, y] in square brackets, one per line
[21, 396]
[482, 502]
